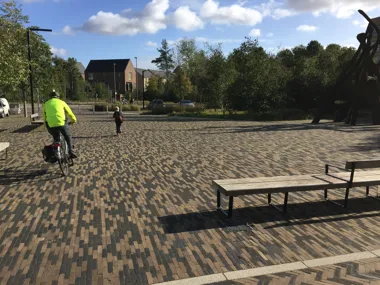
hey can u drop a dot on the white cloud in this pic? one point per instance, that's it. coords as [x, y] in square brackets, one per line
[67, 30]
[276, 10]
[150, 21]
[187, 20]
[361, 24]
[279, 13]
[270, 35]
[192, 4]
[307, 28]
[229, 15]
[58, 51]
[255, 33]
[338, 8]
[151, 44]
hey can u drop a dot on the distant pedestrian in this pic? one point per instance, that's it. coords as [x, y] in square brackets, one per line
[118, 116]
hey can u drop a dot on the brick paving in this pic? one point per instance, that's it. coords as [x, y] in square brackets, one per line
[363, 272]
[139, 209]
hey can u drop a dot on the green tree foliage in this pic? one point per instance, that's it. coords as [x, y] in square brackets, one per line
[155, 88]
[216, 78]
[67, 80]
[101, 90]
[181, 85]
[48, 73]
[165, 61]
[259, 79]
[13, 60]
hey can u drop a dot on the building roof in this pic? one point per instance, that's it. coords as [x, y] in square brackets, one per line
[80, 67]
[150, 72]
[107, 65]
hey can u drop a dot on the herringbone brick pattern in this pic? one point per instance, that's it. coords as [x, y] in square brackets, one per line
[139, 209]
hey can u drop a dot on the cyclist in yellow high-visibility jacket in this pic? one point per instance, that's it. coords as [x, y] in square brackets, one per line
[55, 111]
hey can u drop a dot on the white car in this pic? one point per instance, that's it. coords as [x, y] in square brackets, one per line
[4, 108]
[187, 103]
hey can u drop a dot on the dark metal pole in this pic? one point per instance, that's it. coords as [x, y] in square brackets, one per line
[143, 83]
[30, 61]
[114, 80]
[30, 71]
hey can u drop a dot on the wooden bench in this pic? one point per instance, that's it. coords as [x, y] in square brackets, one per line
[34, 121]
[4, 146]
[299, 183]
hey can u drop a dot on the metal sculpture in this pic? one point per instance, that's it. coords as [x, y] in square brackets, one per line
[364, 71]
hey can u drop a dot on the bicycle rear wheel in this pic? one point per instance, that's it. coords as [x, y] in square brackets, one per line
[64, 158]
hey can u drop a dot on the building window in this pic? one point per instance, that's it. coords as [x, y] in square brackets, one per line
[130, 76]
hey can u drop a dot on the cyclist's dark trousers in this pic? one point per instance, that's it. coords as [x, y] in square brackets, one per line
[64, 130]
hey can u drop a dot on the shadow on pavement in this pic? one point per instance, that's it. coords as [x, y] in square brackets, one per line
[298, 214]
[12, 176]
[340, 127]
[26, 129]
[93, 137]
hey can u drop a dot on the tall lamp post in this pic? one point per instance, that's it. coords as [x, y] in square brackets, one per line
[143, 75]
[30, 61]
[114, 80]
[137, 84]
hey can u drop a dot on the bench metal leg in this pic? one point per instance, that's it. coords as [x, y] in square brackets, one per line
[284, 208]
[286, 202]
[230, 206]
[336, 203]
[346, 197]
[370, 196]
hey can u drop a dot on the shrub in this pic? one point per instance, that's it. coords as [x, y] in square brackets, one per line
[111, 107]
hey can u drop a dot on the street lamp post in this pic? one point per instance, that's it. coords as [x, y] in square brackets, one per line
[143, 75]
[30, 61]
[114, 80]
[137, 83]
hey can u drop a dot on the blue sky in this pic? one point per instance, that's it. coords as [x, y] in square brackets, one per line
[98, 29]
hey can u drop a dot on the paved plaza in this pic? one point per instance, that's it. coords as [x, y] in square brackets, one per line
[139, 208]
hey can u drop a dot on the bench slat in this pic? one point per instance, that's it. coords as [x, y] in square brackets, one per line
[34, 116]
[315, 182]
[286, 178]
[363, 164]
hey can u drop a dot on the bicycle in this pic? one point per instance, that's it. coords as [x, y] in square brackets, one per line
[61, 151]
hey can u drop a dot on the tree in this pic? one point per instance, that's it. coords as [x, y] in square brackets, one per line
[13, 63]
[165, 61]
[155, 88]
[216, 81]
[314, 48]
[181, 85]
[259, 82]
